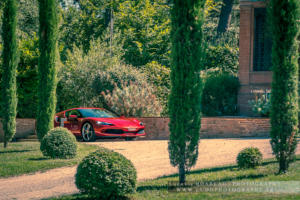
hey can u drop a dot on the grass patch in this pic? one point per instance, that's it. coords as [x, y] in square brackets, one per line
[25, 157]
[157, 189]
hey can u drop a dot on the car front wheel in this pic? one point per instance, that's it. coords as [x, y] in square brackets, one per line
[88, 133]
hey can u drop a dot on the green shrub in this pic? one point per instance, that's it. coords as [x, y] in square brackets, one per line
[115, 75]
[261, 105]
[222, 58]
[59, 143]
[249, 157]
[133, 100]
[78, 72]
[106, 174]
[219, 95]
[159, 76]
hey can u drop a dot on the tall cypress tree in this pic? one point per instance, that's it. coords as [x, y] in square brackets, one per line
[185, 97]
[47, 66]
[10, 62]
[283, 15]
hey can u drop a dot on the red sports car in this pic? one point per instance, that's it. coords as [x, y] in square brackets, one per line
[92, 123]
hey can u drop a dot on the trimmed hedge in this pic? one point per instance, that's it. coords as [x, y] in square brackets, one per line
[219, 96]
[249, 157]
[106, 174]
[59, 143]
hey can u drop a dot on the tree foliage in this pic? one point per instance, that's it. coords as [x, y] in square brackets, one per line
[283, 15]
[185, 97]
[27, 77]
[10, 63]
[144, 25]
[47, 66]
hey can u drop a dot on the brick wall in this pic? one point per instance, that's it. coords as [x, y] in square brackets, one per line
[250, 80]
[25, 127]
[158, 127]
[213, 127]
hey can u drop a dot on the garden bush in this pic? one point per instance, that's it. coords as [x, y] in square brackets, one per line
[261, 105]
[222, 58]
[106, 174]
[59, 143]
[249, 157]
[159, 76]
[133, 100]
[78, 72]
[219, 95]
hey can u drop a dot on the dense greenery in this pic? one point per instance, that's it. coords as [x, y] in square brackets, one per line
[185, 97]
[97, 76]
[106, 174]
[284, 18]
[27, 78]
[219, 96]
[249, 157]
[109, 34]
[59, 143]
[47, 66]
[9, 67]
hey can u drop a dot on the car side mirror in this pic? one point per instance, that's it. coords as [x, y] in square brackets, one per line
[73, 117]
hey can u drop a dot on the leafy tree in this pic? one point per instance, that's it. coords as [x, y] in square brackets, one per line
[186, 84]
[283, 15]
[27, 77]
[145, 25]
[47, 66]
[28, 18]
[10, 62]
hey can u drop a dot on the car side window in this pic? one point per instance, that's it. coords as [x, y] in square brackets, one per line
[73, 112]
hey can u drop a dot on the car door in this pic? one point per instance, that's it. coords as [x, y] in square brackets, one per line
[66, 122]
[73, 125]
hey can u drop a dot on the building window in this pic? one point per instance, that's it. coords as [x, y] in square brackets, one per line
[262, 59]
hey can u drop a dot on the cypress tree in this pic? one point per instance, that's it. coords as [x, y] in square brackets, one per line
[47, 66]
[10, 62]
[185, 97]
[283, 15]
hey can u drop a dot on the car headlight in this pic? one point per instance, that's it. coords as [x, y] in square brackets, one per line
[104, 123]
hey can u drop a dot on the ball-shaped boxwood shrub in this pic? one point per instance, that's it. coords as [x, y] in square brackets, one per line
[59, 143]
[106, 174]
[249, 157]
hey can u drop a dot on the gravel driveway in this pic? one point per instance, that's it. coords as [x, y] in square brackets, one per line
[149, 157]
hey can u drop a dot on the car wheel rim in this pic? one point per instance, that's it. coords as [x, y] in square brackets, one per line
[87, 132]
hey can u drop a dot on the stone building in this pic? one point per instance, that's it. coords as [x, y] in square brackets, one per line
[255, 54]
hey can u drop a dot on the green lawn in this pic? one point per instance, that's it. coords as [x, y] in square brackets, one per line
[25, 157]
[156, 189]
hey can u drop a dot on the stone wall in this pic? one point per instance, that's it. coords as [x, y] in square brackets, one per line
[25, 127]
[213, 127]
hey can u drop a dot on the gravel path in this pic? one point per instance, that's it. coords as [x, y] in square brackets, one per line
[149, 157]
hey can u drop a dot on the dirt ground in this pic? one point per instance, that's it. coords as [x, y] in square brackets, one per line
[151, 159]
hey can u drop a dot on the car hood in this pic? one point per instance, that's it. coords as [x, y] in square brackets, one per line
[122, 122]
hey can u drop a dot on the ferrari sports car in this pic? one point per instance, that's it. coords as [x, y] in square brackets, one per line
[92, 123]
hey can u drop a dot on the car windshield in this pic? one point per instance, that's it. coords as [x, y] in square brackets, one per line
[97, 113]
